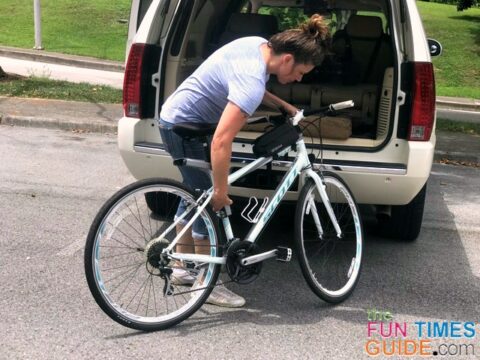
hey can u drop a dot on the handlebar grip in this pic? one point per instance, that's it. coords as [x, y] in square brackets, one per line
[342, 105]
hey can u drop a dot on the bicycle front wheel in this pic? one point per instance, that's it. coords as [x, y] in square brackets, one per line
[126, 272]
[330, 264]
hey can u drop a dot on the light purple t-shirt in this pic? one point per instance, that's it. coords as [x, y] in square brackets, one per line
[236, 72]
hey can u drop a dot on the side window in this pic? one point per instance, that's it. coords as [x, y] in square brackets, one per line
[142, 10]
[288, 17]
[291, 17]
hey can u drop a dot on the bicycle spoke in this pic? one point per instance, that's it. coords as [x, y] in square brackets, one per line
[140, 219]
[128, 237]
[132, 227]
[134, 296]
[148, 298]
[124, 266]
[117, 255]
[132, 272]
[119, 247]
[154, 297]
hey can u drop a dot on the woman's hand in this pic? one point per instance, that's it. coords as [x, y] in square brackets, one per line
[290, 109]
[220, 200]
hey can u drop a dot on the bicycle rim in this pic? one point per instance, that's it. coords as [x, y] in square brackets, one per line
[122, 254]
[331, 265]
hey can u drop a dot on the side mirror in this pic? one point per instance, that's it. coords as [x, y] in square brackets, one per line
[435, 47]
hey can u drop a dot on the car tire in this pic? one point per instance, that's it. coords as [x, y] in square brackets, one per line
[405, 221]
[162, 206]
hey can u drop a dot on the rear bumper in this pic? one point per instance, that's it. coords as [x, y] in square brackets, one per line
[372, 182]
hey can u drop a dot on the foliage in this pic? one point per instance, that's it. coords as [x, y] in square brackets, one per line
[288, 17]
[465, 4]
[461, 4]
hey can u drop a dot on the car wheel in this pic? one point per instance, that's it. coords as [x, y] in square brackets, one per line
[405, 221]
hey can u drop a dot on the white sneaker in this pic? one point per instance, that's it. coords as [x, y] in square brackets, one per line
[182, 277]
[221, 296]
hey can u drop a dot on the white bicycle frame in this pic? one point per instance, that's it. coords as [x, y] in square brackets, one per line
[301, 166]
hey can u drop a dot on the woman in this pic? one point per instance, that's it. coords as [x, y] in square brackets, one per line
[226, 89]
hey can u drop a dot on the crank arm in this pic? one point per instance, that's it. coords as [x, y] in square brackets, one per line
[259, 257]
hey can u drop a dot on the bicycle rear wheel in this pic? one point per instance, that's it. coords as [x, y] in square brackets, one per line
[125, 270]
[330, 265]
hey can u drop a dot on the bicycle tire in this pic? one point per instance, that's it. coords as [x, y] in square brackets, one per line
[330, 266]
[120, 250]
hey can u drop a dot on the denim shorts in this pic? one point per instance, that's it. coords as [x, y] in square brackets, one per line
[195, 178]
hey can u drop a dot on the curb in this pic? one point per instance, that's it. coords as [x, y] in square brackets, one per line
[440, 155]
[55, 124]
[62, 59]
[454, 104]
[458, 115]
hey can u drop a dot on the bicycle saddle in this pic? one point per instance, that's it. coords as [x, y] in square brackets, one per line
[193, 130]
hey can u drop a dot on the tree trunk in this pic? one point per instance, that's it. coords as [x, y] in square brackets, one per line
[3, 74]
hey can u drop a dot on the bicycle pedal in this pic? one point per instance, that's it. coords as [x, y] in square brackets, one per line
[284, 254]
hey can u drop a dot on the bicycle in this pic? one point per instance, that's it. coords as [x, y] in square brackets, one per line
[130, 249]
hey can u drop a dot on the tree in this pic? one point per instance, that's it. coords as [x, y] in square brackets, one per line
[465, 4]
[3, 74]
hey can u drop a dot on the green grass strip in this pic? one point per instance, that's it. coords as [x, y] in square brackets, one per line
[457, 70]
[458, 126]
[36, 87]
[95, 28]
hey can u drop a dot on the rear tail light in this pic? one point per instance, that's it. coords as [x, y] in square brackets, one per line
[132, 82]
[423, 105]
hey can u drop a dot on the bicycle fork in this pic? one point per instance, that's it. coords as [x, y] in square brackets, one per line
[326, 202]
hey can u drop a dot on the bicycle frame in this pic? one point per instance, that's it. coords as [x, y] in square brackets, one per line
[300, 167]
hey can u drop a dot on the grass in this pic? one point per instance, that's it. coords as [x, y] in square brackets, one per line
[457, 70]
[37, 87]
[457, 126]
[87, 27]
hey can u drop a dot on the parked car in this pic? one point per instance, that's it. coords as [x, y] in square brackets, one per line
[380, 59]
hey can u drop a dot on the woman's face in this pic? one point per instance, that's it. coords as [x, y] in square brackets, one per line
[289, 71]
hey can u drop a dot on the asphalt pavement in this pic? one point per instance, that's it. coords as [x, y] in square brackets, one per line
[103, 118]
[52, 183]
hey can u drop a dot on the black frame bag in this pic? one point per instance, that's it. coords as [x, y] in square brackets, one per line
[275, 140]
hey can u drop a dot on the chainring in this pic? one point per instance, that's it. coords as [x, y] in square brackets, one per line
[238, 250]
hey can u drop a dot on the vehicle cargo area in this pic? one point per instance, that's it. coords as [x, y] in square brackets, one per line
[360, 66]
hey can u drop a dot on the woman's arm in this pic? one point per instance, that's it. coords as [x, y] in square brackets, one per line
[275, 102]
[231, 121]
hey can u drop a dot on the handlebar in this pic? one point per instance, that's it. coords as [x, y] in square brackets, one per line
[301, 114]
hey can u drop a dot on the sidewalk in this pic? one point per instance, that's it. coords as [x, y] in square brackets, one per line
[61, 59]
[60, 114]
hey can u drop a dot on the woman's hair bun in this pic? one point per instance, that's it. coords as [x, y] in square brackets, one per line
[308, 43]
[316, 27]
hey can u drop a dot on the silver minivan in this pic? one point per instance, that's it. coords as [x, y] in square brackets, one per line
[380, 59]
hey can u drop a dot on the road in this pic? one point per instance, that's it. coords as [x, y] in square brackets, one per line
[53, 182]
